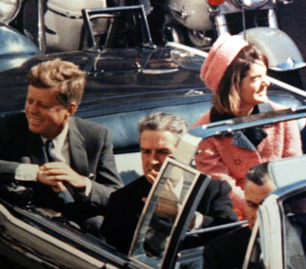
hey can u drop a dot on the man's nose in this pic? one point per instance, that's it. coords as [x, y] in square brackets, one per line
[154, 159]
[266, 81]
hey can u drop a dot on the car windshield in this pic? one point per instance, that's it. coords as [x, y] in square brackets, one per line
[162, 212]
[116, 28]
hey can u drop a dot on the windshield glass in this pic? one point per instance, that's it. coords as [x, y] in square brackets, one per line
[116, 27]
[161, 214]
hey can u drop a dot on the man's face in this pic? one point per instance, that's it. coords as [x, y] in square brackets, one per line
[45, 115]
[155, 147]
[254, 196]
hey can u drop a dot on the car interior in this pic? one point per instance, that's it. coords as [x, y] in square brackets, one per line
[175, 246]
[123, 126]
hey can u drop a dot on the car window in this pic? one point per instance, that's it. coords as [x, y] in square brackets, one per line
[295, 230]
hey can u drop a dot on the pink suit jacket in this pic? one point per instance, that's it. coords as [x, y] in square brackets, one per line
[221, 159]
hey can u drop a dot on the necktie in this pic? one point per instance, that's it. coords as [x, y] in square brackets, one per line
[49, 150]
[66, 196]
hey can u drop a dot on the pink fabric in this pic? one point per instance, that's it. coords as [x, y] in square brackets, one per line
[221, 159]
[220, 56]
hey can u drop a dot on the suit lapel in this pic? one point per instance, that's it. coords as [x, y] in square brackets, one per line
[78, 154]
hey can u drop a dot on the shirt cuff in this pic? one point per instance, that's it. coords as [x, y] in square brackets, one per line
[197, 221]
[88, 187]
[26, 172]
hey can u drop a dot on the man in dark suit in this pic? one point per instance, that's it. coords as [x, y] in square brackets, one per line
[159, 136]
[229, 251]
[67, 161]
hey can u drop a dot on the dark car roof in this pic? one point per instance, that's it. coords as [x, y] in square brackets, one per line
[124, 85]
[116, 79]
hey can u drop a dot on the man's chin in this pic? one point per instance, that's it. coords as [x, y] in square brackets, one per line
[35, 129]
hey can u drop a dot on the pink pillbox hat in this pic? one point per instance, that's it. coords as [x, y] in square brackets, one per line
[220, 56]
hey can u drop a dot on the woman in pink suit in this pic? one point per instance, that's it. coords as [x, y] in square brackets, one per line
[237, 74]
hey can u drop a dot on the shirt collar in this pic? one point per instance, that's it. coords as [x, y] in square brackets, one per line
[59, 141]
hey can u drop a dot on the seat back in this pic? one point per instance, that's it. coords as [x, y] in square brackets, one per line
[124, 126]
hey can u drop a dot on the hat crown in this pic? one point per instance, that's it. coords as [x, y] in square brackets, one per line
[221, 55]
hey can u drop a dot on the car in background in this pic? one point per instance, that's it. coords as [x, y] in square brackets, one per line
[125, 81]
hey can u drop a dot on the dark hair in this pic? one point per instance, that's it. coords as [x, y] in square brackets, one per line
[62, 76]
[259, 174]
[227, 98]
[160, 121]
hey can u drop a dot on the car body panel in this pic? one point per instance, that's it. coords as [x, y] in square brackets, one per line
[15, 48]
[272, 218]
[112, 75]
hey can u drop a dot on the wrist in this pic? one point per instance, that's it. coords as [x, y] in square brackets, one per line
[88, 186]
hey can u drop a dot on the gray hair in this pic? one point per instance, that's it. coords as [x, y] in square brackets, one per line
[161, 121]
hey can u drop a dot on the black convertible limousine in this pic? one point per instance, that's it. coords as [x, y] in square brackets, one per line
[124, 85]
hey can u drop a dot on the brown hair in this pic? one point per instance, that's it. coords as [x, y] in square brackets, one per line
[62, 76]
[227, 99]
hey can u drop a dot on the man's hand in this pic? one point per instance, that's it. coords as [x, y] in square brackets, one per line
[151, 176]
[56, 185]
[56, 174]
[168, 205]
[167, 208]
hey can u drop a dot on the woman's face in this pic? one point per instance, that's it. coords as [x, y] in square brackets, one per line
[253, 90]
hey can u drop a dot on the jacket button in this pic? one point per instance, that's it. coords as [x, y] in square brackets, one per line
[237, 161]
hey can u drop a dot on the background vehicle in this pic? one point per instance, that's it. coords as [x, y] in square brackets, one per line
[15, 48]
[51, 24]
[57, 26]
[201, 21]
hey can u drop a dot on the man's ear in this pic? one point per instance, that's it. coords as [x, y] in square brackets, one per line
[72, 108]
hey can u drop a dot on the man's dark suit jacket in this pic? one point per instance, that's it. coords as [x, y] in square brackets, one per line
[91, 153]
[126, 204]
[227, 251]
